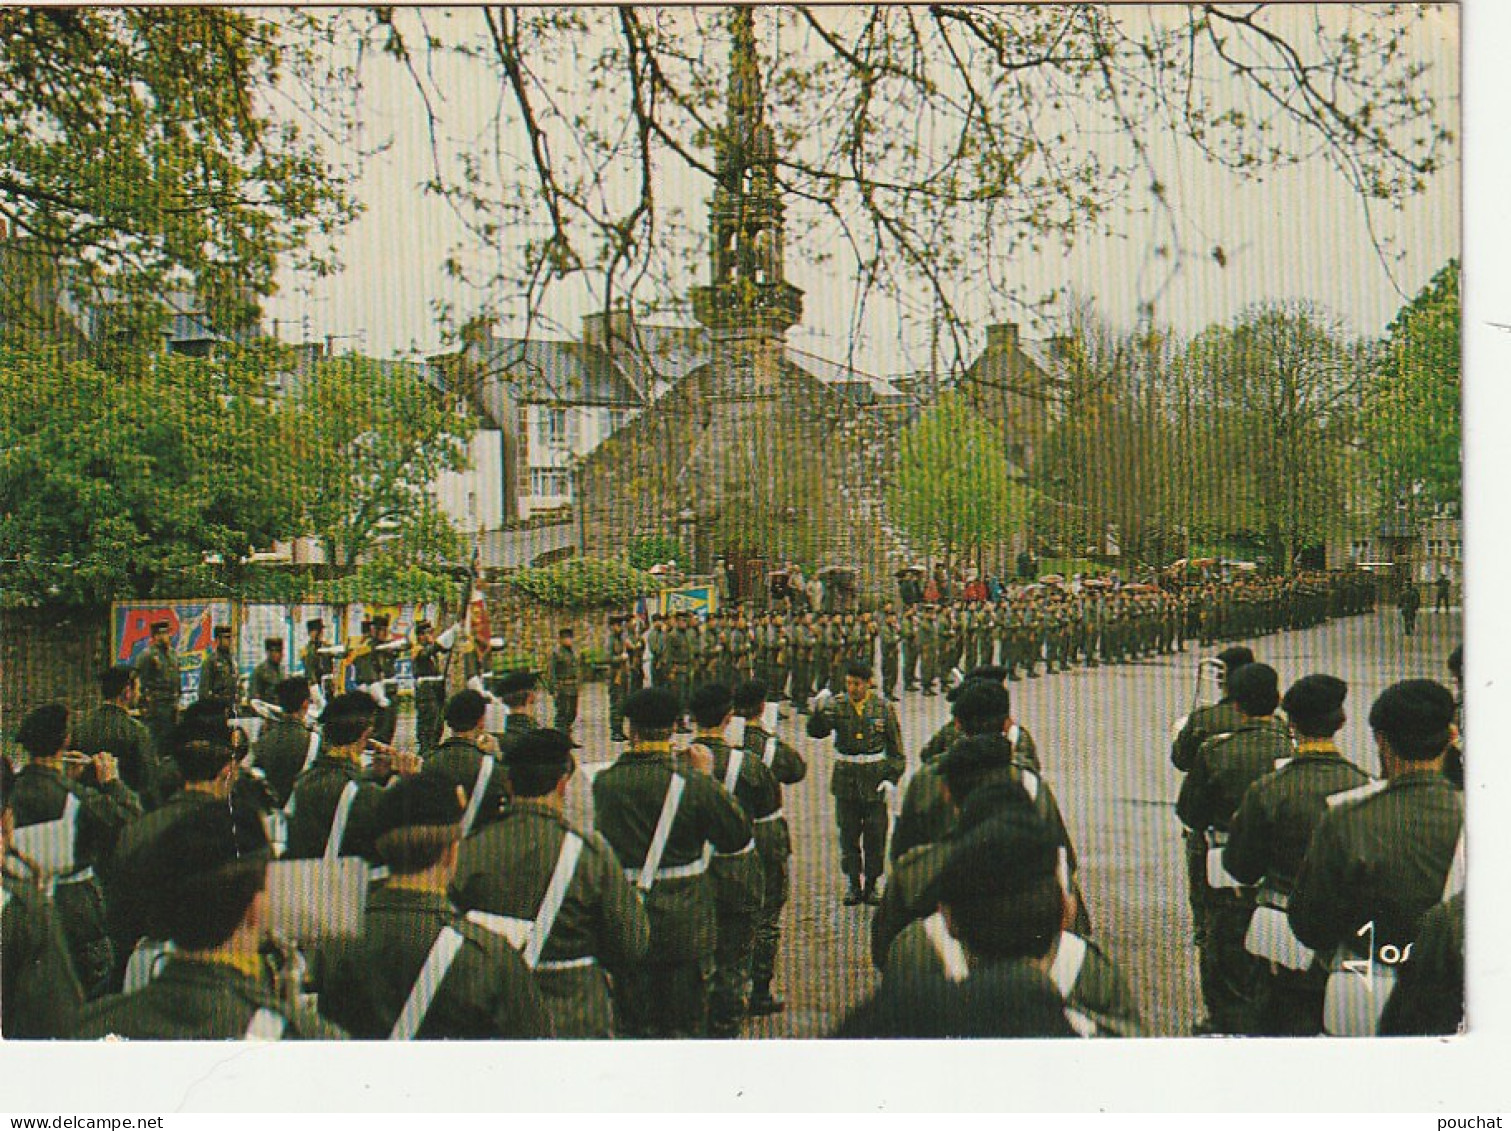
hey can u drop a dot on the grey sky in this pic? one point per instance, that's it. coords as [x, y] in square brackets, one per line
[1298, 234]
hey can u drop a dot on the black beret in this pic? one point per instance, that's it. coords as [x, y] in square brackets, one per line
[423, 626]
[196, 845]
[425, 799]
[1414, 709]
[708, 698]
[312, 625]
[618, 618]
[161, 625]
[858, 669]
[992, 674]
[273, 642]
[980, 699]
[465, 709]
[541, 747]
[653, 708]
[1314, 697]
[351, 704]
[973, 755]
[749, 695]
[516, 682]
[222, 630]
[1008, 853]
[380, 621]
[44, 730]
[1256, 689]
[1235, 657]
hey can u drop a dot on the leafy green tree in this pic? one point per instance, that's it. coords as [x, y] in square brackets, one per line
[954, 490]
[585, 583]
[653, 549]
[1413, 417]
[141, 154]
[371, 439]
[121, 484]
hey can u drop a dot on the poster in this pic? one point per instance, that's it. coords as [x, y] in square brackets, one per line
[700, 600]
[192, 623]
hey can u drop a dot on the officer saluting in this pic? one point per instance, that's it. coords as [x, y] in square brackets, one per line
[420, 970]
[869, 761]
[429, 685]
[559, 888]
[1383, 855]
[207, 898]
[664, 819]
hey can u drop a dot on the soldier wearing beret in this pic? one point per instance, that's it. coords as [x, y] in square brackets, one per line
[563, 673]
[1383, 855]
[267, 675]
[39, 994]
[1267, 843]
[283, 744]
[421, 970]
[219, 682]
[373, 670]
[517, 690]
[318, 668]
[113, 728]
[578, 919]
[868, 763]
[469, 759]
[157, 672]
[773, 840]
[618, 653]
[1225, 766]
[335, 801]
[1428, 999]
[206, 897]
[429, 667]
[665, 816]
[1004, 862]
[94, 806]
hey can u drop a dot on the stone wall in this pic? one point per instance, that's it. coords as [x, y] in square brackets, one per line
[50, 654]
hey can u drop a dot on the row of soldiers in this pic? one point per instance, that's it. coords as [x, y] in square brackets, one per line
[492, 914]
[1053, 627]
[1324, 900]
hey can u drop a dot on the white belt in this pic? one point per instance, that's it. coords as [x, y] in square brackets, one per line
[430, 679]
[749, 847]
[861, 759]
[678, 872]
[565, 964]
[79, 877]
[777, 816]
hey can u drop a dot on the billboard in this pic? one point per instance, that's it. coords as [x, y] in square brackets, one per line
[700, 600]
[192, 622]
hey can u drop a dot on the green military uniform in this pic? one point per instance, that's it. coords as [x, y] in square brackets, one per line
[1381, 856]
[618, 653]
[219, 681]
[739, 887]
[909, 650]
[600, 929]
[868, 751]
[317, 668]
[157, 673]
[1429, 996]
[1225, 767]
[891, 640]
[1099, 1001]
[677, 653]
[485, 992]
[926, 815]
[801, 642]
[1203, 723]
[280, 752]
[563, 674]
[774, 847]
[315, 801]
[266, 677]
[460, 762]
[370, 666]
[39, 995]
[516, 726]
[1267, 842]
[110, 728]
[429, 666]
[42, 793]
[665, 996]
[635, 645]
[192, 1000]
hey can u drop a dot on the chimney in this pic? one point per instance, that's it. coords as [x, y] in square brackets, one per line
[1001, 336]
[598, 327]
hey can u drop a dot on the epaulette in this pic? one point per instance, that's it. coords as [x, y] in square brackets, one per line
[1359, 793]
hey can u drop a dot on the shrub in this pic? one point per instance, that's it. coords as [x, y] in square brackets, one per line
[585, 583]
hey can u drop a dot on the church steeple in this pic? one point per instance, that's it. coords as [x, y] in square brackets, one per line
[748, 295]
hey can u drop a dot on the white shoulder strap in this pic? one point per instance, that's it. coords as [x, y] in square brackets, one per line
[732, 771]
[1456, 871]
[448, 944]
[4, 897]
[1070, 956]
[1348, 796]
[479, 787]
[312, 751]
[556, 895]
[1030, 782]
[1282, 763]
[663, 832]
[1062, 868]
[1014, 733]
[769, 754]
[516, 932]
[947, 946]
[338, 823]
[266, 1025]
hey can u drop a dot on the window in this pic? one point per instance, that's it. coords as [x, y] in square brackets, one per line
[551, 428]
[550, 483]
[619, 417]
